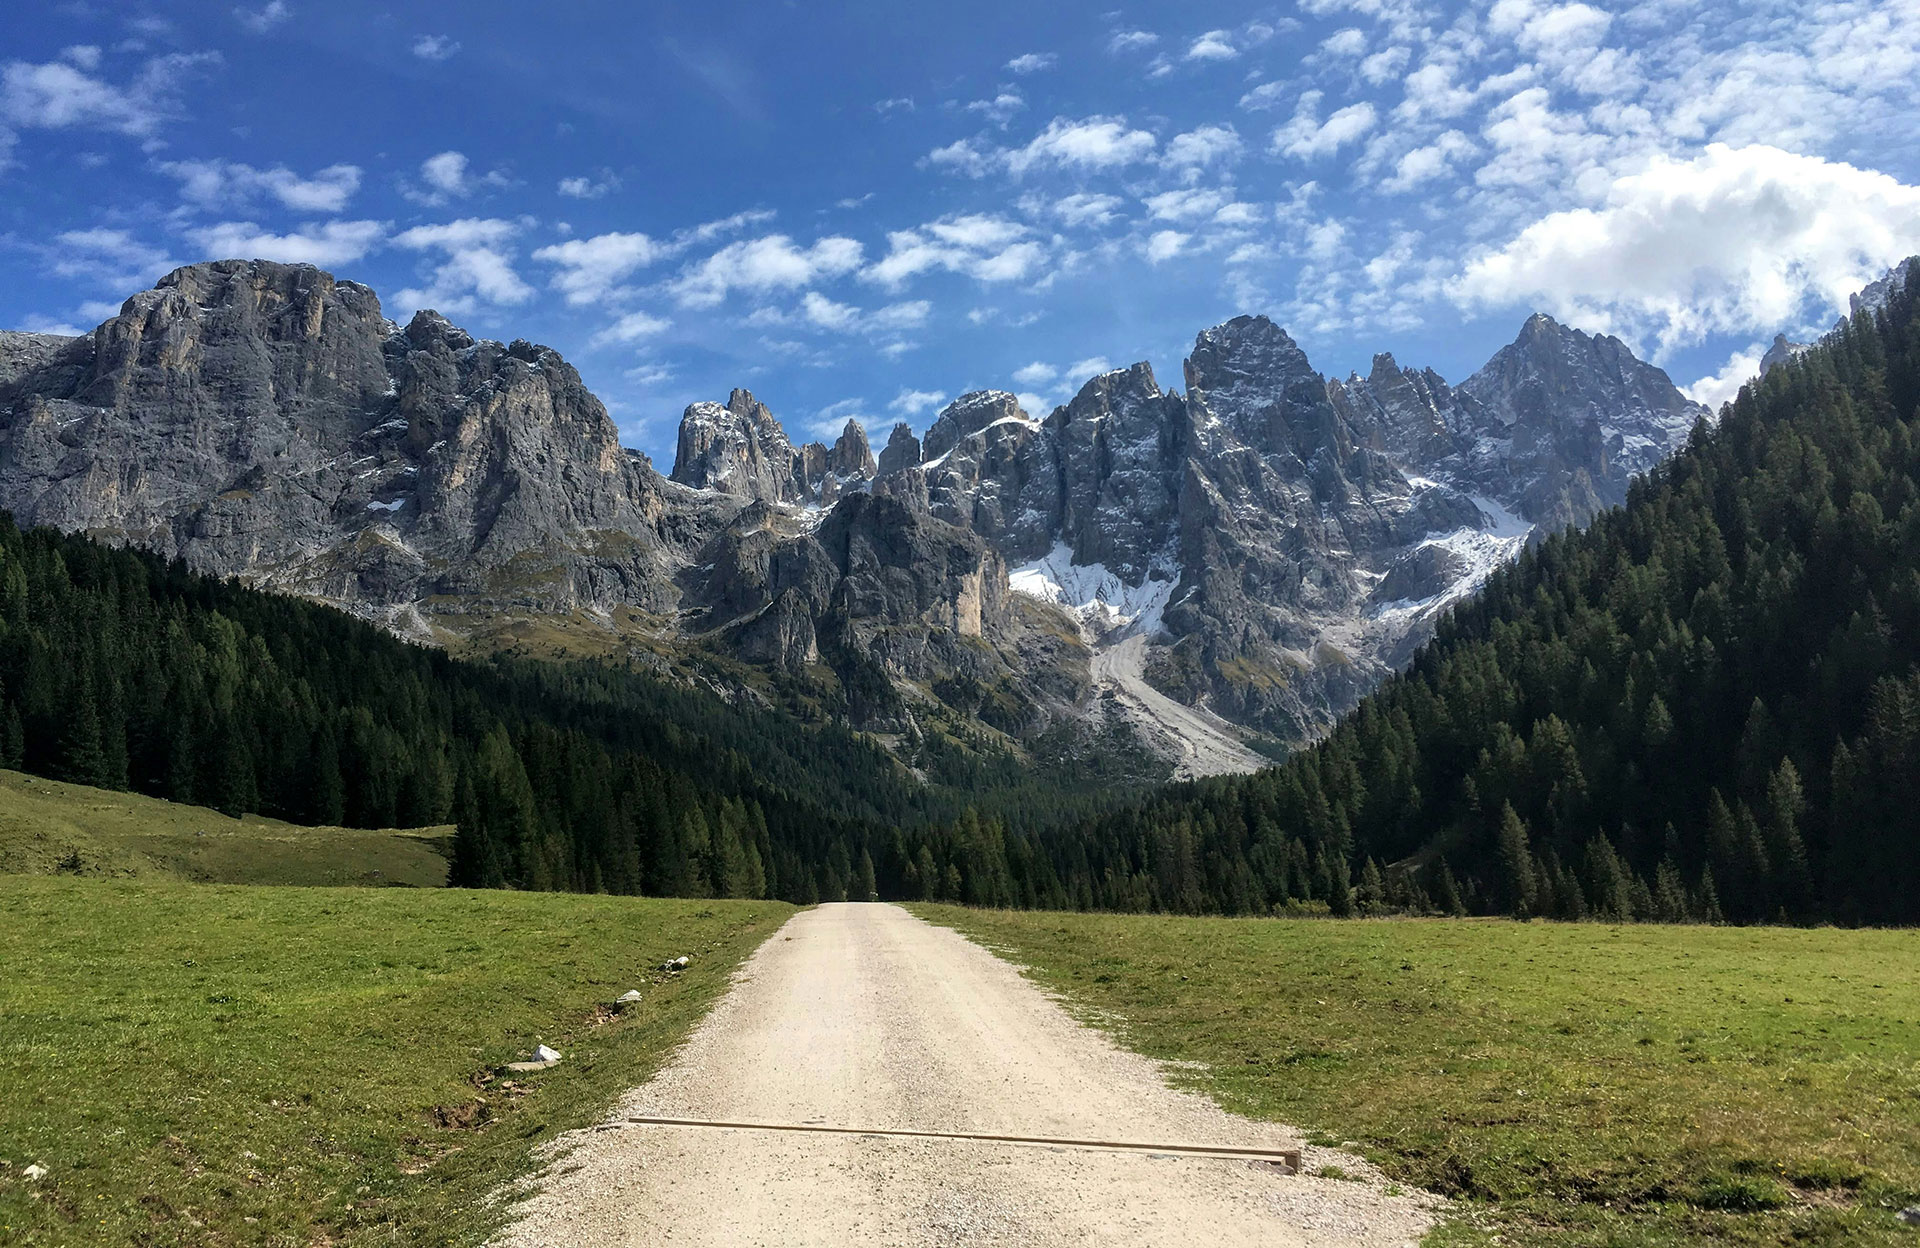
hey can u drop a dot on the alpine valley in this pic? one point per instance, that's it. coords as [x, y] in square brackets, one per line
[1216, 572]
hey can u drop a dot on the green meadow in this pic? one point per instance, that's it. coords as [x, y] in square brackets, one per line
[210, 1065]
[1568, 1084]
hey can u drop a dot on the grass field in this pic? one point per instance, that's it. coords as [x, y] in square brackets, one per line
[208, 1065]
[49, 828]
[1572, 1084]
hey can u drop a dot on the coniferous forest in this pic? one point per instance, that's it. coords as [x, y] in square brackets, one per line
[1706, 706]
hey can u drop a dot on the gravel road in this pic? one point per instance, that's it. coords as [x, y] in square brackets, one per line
[864, 1016]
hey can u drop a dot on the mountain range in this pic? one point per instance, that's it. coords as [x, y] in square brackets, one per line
[1221, 570]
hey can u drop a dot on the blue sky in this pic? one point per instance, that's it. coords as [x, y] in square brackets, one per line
[863, 209]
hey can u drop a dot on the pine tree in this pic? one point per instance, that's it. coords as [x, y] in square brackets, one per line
[1517, 883]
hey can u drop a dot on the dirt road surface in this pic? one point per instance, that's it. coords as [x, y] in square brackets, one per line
[864, 1016]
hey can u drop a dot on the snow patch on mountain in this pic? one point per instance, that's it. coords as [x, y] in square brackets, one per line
[1106, 607]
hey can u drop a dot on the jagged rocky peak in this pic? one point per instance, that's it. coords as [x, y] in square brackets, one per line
[265, 420]
[1250, 375]
[1411, 414]
[901, 451]
[1121, 443]
[737, 449]
[851, 456]
[1781, 352]
[970, 414]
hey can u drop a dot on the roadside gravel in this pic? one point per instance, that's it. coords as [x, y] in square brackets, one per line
[864, 1016]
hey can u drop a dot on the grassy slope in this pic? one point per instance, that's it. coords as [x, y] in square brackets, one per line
[1579, 1084]
[125, 835]
[217, 1065]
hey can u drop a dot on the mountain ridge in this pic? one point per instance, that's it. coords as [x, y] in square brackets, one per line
[267, 421]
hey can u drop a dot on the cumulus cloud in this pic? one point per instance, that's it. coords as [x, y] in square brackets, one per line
[591, 268]
[475, 266]
[761, 265]
[1165, 245]
[1085, 208]
[1422, 164]
[1000, 109]
[449, 176]
[1215, 45]
[1131, 40]
[1724, 386]
[1202, 147]
[1345, 44]
[1308, 138]
[435, 48]
[225, 184]
[1033, 62]
[986, 248]
[911, 403]
[1035, 375]
[1088, 144]
[328, 244]
[588, 188]
[1735, 240]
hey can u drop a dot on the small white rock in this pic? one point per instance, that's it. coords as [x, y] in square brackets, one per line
[628, 997]
[544, 1054]
[35, 1172]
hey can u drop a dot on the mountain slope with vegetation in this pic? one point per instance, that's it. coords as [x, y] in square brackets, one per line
[122, 671]
[1706, 705]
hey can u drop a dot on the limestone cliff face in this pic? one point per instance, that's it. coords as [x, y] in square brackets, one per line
[264, 420]
[1263, 544]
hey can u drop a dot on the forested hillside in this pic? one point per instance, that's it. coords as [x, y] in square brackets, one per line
[1704, 706]
[123, 671]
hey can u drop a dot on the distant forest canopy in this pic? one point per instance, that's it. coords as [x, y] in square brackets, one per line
[1705, 706]
[121, 670]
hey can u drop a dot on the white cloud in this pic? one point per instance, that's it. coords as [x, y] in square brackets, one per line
[1203, 146]
[1215, 45]
[588, 188]
[50, 325]
[764, 264]
[1308, 138]
[1033, 62]
[262, 20]
[1724, 386]
[326, 245]
[1000, 109]
[1084, 208]
[1165, 245]
[986, 248]
[474, 268]
[1087, 144]
[111, 258]
[446, 172]
[435, 48]
[1735, 240]
[1423, 164]
[1346, 43]
[1131, 40]
[911, 403]
[85, 55]
[1035, 375]
[1266, 95]
[1384, 66]
[631, 328]
[1092, 366]
[221, 184]
[591, 268]
[58, 95]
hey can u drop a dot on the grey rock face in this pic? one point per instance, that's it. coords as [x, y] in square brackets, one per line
[902, 451]
[737, 449]
[1275, 544]
[265, 420]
